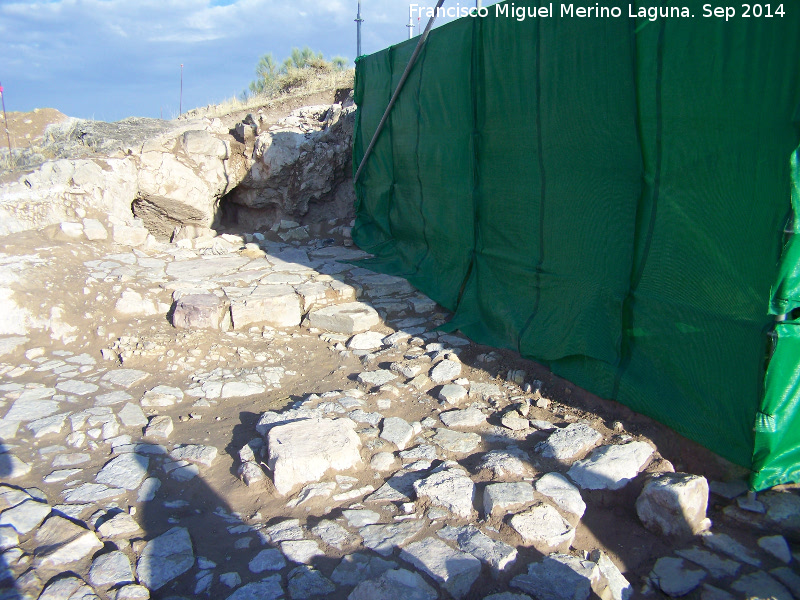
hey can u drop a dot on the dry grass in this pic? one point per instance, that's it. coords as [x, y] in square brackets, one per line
[296, 83]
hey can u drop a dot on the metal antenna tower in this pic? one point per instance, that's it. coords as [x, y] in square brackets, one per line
[359, 21]
[410, 24]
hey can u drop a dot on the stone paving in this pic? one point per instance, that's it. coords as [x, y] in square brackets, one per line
[243, 417]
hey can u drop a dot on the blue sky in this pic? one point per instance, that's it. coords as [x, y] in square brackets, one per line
[110, 59]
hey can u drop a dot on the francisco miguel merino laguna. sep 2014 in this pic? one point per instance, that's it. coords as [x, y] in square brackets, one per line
[652, 13]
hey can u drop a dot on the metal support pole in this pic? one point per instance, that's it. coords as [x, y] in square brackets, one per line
[180, 103]
[359, 21]
[5, 120]
[423, 38]
[410, 26]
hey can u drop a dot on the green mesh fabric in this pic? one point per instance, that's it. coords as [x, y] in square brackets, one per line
[606, 196]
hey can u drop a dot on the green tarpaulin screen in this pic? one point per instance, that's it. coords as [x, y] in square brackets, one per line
[608, 196]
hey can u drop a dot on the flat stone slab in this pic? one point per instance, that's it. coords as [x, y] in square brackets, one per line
[505, 463]
[396, 584]
[274, 305]
[306, 583]
[397, 431]
[26, 516]
[119, 525]
[498, 555]
[468, 417]
[166, 557]
[618, 587]
[543, 527]
[268, 588]
[569, 442]
[199, 311]
[450, 489]
[376, 378]
[348, 318]
[161, 396]
[241, 389]
[131, 415]
[563, 494]
[383, 539]
[675, 577]
[501, 498]
[334, 535]
[11, 343]
[76, 387]
[124, 378]
[445, 371]
[777, 546]
[788, 578]
[452, 393]
[111, 568]
[126, 471]
[458, 442]
[368, 340]
[398, 488]
[361, 517]
[455, 571]
[558, 577]
[201, 269]
[721, 542]
[68, 588]
[357, 567]
[8, 537]
[286, 530]
[761, 585]
[270, 559]
[59, 542]
[91, 492]
[717, 566]
[195, 453]
[305, 450]
[32, 408]
[301, 551]
[611, 467]
[484, 391]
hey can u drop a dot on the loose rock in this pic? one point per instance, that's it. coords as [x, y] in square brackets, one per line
[611, 467]
[674, 504]
[450, 489]
[165, 557]
[558, 577]
[544, 528]
[455, 571]
[305, 450]
[674, 577]
[501, 498]
[111, 569]
[565, 495]
[569, 442]
[396, 584]
[61, 542]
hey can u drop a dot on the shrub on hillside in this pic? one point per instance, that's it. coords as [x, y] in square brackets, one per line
[296, 70]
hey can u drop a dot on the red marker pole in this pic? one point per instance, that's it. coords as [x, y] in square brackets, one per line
[5, 120]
